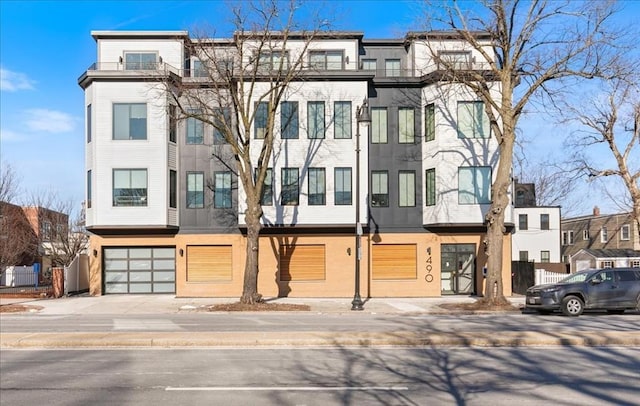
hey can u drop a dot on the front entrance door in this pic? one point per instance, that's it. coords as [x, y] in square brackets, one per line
[458, 268]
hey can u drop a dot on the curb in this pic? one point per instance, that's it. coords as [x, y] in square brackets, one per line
[312, 339]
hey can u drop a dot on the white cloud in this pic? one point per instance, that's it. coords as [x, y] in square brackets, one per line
[11, 136]
[50, 121]
[13, 81]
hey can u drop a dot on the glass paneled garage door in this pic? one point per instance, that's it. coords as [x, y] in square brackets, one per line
[140, 270]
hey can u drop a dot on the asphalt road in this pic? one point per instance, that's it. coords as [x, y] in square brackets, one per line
[336, 376]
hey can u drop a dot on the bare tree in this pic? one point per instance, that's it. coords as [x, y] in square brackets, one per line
[611, 118]
[242, 80]
[8, 184]
[534, 49]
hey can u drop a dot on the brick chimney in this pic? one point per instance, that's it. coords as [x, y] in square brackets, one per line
[596, 211]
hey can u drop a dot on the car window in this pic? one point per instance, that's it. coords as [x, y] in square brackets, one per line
[606, 276]
[626, 276]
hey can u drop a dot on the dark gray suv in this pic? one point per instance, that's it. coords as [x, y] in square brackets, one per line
[611, 289]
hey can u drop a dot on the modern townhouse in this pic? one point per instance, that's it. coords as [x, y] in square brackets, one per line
[412, 188]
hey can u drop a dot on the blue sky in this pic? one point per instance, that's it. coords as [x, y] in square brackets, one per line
[46, 45]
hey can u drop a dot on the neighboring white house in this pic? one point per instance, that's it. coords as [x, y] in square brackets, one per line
[604, 258]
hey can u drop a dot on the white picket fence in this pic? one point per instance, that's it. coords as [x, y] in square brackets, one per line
[15, 276]
[544, 277]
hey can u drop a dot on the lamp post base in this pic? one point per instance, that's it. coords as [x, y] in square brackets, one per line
[357, 303]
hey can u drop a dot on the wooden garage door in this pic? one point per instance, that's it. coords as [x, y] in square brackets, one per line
[394, 261]
[209, 263]
[302, 262]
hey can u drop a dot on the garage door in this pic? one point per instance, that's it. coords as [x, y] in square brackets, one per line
[140, 270]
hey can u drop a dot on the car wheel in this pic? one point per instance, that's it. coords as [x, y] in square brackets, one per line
[572, 306]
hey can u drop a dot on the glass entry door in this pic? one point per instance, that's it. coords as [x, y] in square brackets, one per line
[458, 268]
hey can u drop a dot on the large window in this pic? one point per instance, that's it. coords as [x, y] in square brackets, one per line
[430, 178]
[89, 191]
[129, 121]
[406, 188]
[523, 222]
[140, 60]
[289, 120]
[326, 60]
[545, 256]
[315, 117]
[524, 256]
[473, 121]
[567, 237]
[266, 198]
[317, 187]
[474, 185]
[130, 187]
[342, 119]
[199, 70]
[544, 222]
[222, 190]
[195, 190]
[260, 120]
[290, 193]
[342, 182]
[222, 122]
[406, 125]
[369, 64]
[173, 189]
[274, 60]
[88, 123]
[430, 122]
[378, 125]
[392, 67]
[195, 129]
[379, 189]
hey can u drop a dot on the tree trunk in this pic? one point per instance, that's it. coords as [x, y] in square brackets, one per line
[250, 293]
[494, 288]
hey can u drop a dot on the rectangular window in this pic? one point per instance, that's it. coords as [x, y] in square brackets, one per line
[625, 232]
[222, 124]
[430, 122]
[567, 238]
[604, 235]
[260, 120]
[89, 192]
[173, 124]
[88, 123]
[635, 263]
[129, 187]
[195, 128]
[266, 198]
[430, 177]
[317, 187]
[474, 185]
[290, 194]
[129, 121]
[378, 125]
[222, 190]
[199, 70]
[544, 222]
[473, 121]
[406, 188]
[406, 125]
[585, 234]
[379, 189]
[369, 64]
[173, 189]
[545, 256]
[315, 117]
[606, 264]
[523, 222]
[274, 60]
[342, 186]
[524, 256]
[289, 120]
[392, 67]
[195, 190]
[326, 60]
[140, 60]
[342, 119]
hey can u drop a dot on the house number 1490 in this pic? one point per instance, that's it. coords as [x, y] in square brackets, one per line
[429, 277]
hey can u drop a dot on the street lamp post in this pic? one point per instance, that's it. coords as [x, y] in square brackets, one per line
[362, 117]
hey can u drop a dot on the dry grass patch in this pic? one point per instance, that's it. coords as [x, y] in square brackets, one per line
[258, 307]
[18, 308]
